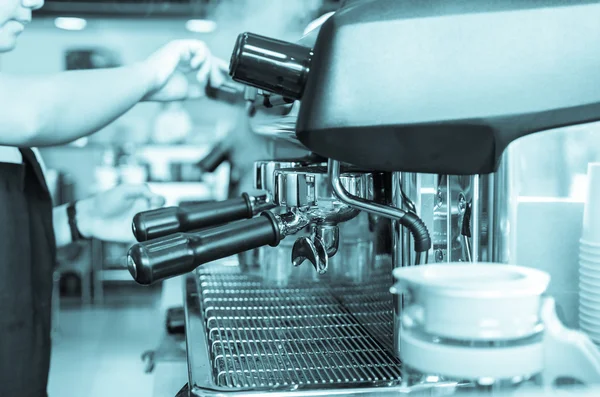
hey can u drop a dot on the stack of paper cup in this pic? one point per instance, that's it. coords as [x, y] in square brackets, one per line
[589, 258]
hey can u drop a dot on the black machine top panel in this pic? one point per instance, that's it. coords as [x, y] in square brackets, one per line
[444, 86]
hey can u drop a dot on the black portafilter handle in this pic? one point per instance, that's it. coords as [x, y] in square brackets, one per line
[180, 253]
[272, 65]
[217, 156]
[161, 222]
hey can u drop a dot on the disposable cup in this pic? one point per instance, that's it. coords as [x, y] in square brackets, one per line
[588, 298]
[589, 243]
[588, 249]
[586, 273]
[589, 289]
[588, 323]
[589, 265]
[591, 211]
[592, 311]
[591, 286]
[590, 327]
[590, 259]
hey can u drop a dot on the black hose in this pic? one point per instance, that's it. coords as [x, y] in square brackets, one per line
[419, 231]
[466, 223]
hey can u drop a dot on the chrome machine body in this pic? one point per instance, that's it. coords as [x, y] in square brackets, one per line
[410, 136]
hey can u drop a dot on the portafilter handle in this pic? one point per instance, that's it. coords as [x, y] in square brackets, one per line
[180, 253]
[217, 156]
[161, 222]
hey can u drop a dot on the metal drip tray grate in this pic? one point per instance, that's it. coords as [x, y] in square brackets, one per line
[310, 335]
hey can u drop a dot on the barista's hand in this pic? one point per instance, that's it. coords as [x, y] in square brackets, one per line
[181, 70]
[108, 215]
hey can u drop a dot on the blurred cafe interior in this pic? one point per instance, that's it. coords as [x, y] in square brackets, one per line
[525, 205]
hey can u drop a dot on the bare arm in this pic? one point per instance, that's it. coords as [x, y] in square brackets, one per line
[106, 216]
[60, 221]
[55, 109]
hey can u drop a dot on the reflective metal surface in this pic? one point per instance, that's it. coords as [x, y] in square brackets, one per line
[264, 171]
[463, 214]
[452, 206]
[311, 186]
[270, 256]
[308, 209]
[319, 338]
[277, 123]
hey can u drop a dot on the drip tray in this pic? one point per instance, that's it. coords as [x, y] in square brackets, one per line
[311, 336]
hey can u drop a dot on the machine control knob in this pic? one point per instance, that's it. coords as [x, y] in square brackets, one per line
[272, 65]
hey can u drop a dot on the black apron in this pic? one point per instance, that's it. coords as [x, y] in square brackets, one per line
[27, 260]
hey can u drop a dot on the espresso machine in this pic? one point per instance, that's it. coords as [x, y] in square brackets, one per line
[406, 109]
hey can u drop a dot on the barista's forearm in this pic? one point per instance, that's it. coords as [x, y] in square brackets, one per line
[66, 106]
[62, 229]
[79, 103]
[62, 232]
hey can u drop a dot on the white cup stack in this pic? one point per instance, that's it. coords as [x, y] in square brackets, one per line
[589, 258]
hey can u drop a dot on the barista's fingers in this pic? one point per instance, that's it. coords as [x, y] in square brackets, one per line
[218, 72]
[199, 57]
[203, 74]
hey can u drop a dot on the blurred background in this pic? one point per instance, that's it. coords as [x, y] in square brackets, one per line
[111, 335]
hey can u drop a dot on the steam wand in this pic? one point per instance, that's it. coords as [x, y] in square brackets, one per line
[407, 219]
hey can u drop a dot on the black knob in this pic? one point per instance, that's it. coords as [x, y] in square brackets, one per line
[180, 253]
[273, 65]
[149, 225]
[230, 92]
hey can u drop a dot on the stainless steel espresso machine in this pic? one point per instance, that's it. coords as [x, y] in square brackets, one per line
[406, 109]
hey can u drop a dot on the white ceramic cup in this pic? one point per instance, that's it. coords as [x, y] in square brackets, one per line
[474, 301]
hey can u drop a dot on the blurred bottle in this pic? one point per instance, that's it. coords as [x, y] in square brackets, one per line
[106, 174]
[131, 169]
[172, 125]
